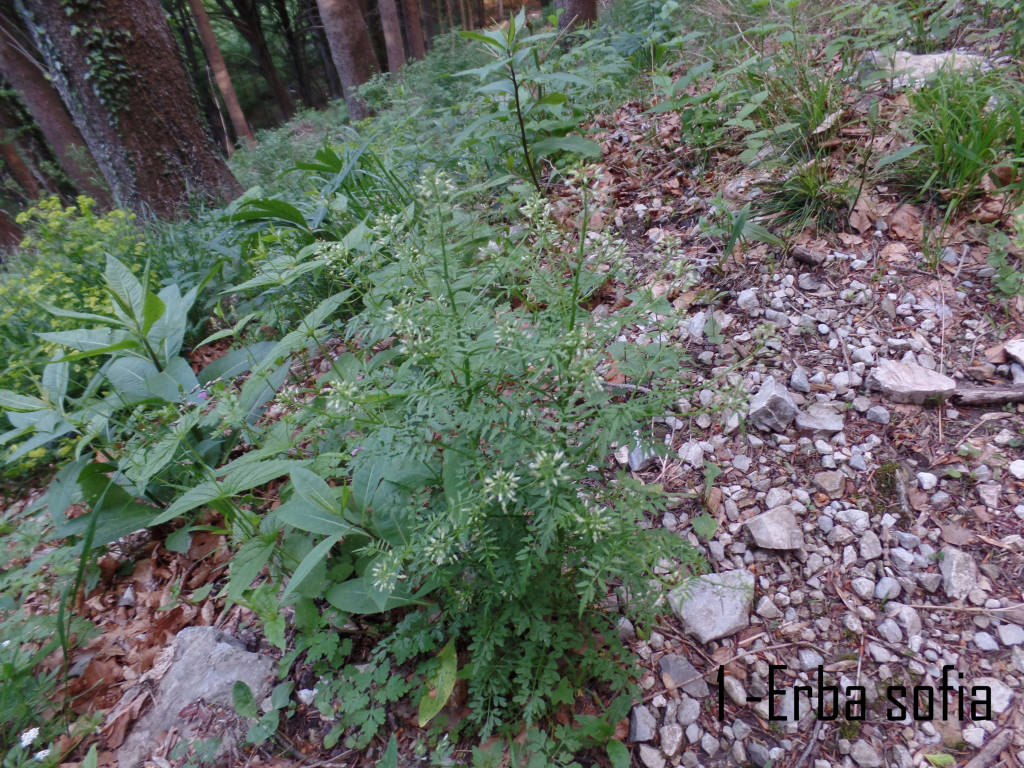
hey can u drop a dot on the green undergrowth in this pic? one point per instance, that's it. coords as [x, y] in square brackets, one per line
[408, 440]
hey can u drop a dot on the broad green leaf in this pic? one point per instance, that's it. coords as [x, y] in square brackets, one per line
[179, 540]
[243, 474]
[129, 377]
[126, 290]
[55, 381]
[618, 754]
[360, 597]
[192, 498]
[247, 564]
[60, 312]
[235, 362]
[119, 513]
[152, 310]
[92, 758]
[314, 489]
[225, 332]
[940, 760]
[307, 516]
[243, 700]
[86, 339]
[309, 562]
[576, 144]
[109, 350]
[12, 401]
[439, 685]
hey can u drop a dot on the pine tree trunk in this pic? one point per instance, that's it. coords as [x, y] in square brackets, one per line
[392, 27]
[414, 28]
[46, 108]
[577, 13]
[135, 110]
[221, 75]
[351, 49]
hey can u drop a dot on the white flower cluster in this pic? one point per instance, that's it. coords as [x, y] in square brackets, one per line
[592, 521]
[342, 396]
[550, 469]
[437, 187]
[386, 572]
[501, 487]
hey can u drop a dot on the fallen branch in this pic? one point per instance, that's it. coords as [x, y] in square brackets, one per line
[990, 752]
[989, 395]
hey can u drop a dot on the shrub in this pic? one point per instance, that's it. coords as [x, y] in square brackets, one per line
[60, 262]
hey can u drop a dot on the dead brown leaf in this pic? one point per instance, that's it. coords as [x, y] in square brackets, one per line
[905, 222]
[955, 534]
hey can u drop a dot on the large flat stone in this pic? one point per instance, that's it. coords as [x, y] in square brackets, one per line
[194, 695]
[911, 383]
[716, 605]
[776, 529]
[915, 69]
[678, 672]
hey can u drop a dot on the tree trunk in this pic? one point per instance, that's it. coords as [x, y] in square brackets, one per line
[479, 14]
[116, 67]
[20, 68]
[577, 12]
[220, 74]
[245, 16]
[316, 26]
[392, 27]
[449, 15]
[414, 28]
[19, 169]
[428, 12]
[10, 233]
[351, 49]
[183, 23]
[295, 51]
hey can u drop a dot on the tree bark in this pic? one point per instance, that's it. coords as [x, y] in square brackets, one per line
[312, 17]
[116, 66]
[351, 49]
[245, 16]
[414, 28]
[392, 27]
[577, 13]
[19, 170]
[19, 66]
[220, 74]
[183, 23]
[10, 232]
[295, 51]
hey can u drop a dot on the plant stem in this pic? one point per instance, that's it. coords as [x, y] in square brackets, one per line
[522, 126]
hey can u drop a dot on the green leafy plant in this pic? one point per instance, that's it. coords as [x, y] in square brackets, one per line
[1009, 276]
[522, 95]
[962, 127]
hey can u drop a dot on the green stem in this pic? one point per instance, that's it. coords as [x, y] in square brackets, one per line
[522, 127]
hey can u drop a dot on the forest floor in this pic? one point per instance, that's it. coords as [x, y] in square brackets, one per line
[884, 535]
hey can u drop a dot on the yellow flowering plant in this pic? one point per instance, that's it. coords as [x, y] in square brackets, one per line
[59, 262]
